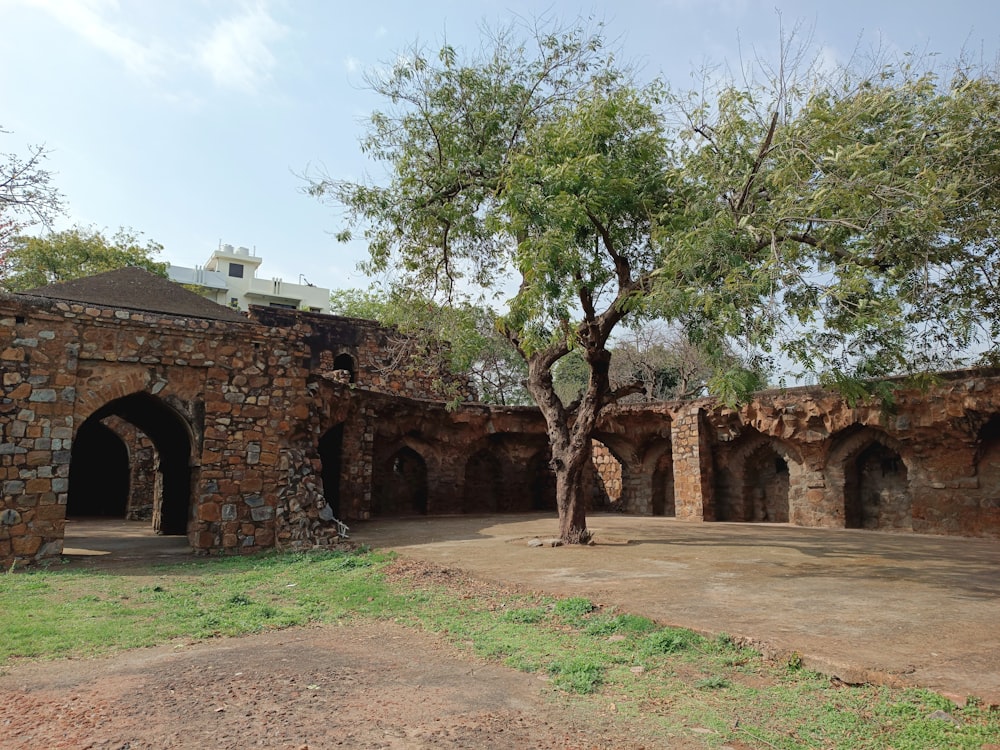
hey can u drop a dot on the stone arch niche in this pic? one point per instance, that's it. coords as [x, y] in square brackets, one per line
[171, 438]
[483, 486]
[755, 483]
[400, 487]
[765, 486]
[875, 482]
[663, 503]
[331, 456]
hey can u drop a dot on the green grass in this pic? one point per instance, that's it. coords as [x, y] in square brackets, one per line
[664, 682]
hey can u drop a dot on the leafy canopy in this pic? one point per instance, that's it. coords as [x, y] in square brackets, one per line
[847, 222]
[74, 253]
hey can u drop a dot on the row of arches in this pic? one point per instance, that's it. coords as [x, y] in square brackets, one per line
[759, 479]
[865, 468]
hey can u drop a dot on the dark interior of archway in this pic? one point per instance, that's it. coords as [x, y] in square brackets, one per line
[663, 486]
[484, 483]
[331, 456]
[165, 429]
[542, 483]
[98, 473]
[401, 485]
[875, 489]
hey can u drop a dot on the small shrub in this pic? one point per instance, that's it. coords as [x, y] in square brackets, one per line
[524, 616]
[712, 683]
[577, 675]
[620, 624]
[573, 610]
[668, 641]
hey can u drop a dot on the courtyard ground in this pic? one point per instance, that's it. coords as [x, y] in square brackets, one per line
[897, 608]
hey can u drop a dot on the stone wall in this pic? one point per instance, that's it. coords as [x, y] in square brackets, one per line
[239, 435]
[377, 357]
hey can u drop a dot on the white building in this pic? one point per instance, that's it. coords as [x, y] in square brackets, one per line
[229, 277]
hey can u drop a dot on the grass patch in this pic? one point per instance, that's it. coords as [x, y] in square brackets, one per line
[664, 682]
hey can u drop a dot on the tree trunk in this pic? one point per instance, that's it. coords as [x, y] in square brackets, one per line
[571, 496]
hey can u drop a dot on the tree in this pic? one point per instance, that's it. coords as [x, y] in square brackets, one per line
[550, 164]
[858, 207]
[847, 222]
[475, 347]
[27, 196]
[74, 253]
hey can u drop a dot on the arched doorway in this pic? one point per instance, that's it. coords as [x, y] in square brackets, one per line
[169, 434]
[765, 486]
[483, 483]
[331, 456]
[98, 473]
[401, 485]
[876, 489]
[663, 486]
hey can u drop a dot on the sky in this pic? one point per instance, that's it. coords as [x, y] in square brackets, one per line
[192, 121]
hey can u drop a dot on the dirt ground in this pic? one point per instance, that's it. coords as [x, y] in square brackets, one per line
[366, 686]
[904, 609]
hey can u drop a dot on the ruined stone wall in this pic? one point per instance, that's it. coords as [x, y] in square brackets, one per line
[382, 359]
[913, 465]
[230, 392]
[267, 446]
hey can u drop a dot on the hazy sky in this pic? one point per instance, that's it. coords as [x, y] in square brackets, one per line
[190, 119]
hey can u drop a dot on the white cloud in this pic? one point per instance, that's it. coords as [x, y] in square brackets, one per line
[237, 54]
[90, 20]
[352, 64]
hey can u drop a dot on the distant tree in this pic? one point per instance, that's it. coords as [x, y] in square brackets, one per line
[475, 347]
[74, 253]
[27, 196]
[666, 362]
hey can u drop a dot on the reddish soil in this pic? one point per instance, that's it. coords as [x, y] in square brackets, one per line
[364, 686]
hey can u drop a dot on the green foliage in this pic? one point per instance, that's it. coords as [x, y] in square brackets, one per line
[577, 675]
[848, 221]
[573, 610]
[75, 253]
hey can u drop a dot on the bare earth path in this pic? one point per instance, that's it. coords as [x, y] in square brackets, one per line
[366, 686]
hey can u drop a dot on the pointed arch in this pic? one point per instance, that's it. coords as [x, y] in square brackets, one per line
[400, 487]
[871, 470]
[171, 436]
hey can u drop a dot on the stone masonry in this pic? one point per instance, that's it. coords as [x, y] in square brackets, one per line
[246, 433]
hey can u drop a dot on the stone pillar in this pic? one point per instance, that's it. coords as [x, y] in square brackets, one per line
[693, 486]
